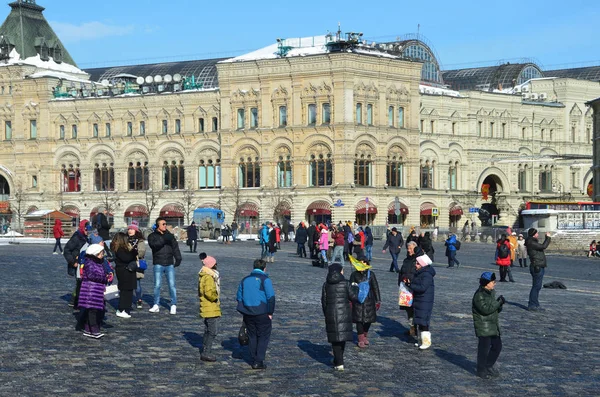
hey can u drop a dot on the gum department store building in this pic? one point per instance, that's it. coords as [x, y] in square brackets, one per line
[305, 129]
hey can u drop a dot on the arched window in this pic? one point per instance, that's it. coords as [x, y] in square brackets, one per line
[362, 170]
[530, 72]
[284, 171]
[71, 178]
[321, 170]
[209, 174]
[173, 175]
[104, 177]
[249, 172]
[395, 171]
[522, 180]
[453, 175]
[138, 176]
[427, 175]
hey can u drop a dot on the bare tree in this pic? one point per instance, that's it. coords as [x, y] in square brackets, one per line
[231, 199]
[152, 195]
[278, 201]
[188, 200]
[109, 199]
[17, 204]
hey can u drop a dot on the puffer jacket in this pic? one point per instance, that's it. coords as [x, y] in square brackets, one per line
[503, 261]
[336, 296]
[165, 249]
[324, 240]
[450, 244]
[535, 251]
[57, 229]
[91, 295]
[301, 235]
[521, 250]
[485, 313]
[365, 312]
[408, 269]
[210, 306]
[73, 247]
[423, 294]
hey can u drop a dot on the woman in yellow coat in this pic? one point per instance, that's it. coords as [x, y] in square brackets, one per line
[209, 290]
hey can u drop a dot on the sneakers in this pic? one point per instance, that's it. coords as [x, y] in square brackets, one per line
[154, 309]
[55, 253]
[173, 309]
[139, 304]
[96, 335]
[208, 358]
[123, 314]
[339, 367]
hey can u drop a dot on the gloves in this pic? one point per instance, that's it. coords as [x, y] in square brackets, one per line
[501, 299]
[177, 263]
[377, 306]
[536, 269]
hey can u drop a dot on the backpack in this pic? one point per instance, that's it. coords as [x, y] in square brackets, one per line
[364, 288]
[503, 251]
[457, 245]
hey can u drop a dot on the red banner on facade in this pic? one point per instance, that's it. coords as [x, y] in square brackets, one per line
[485, 191]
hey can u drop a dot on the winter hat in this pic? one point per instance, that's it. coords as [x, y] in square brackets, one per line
[203, 256]
[134, 225]
[94, 249]
[424, 260]
[95, 239]
[335, 267]
[394, 229]
[486, 277]
[532, 232]
[209, 262]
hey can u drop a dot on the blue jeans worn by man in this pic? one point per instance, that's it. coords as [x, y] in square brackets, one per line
[338, 254]
[169, 270]
[369, 252]
[536, 286]
[452, 259]
[394, 265]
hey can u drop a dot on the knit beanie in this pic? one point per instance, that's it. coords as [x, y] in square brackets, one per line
[486, 277]
[532, 232]
[335, 268]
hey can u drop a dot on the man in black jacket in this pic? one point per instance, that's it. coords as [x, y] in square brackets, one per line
[394, 243]
[102, 225]
[165, 258]
[536, 254]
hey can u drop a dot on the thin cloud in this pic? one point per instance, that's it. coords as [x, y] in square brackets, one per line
[68, 32]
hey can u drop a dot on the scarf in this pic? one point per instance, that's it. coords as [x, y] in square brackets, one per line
[214, 274]
[358, 265]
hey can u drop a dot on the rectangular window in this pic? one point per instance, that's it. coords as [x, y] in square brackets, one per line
[215, 124]
[240, 119]
[201, 125]
[282, 116]
[369, 114]
[400, 117]
[454, 128]
[326, 113]
[253, 117]
[391, 116]
[61, 131]
[503, 130]
[34, 181]
[362, 173]
[74, 131]
[394, 174]
[312, 114]
[523, 132]
[359, 113]
[452, 178]
[546, 181]
[33, 129]
[551, 134]
[129, 128]
[574, 183]
[491, 130]
[95, 130]
[573, 137]
[284, 173]
[479, 127]
[8, 130]
[165, 127]
[588, 134]
[432, 123]
[422, 123]
[522, 180]
[107, 132]
[426, 177]
[142, 128]
[178, 126]
[209, 176]
[544, 137]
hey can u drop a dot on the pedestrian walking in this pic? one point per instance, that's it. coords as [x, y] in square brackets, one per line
[364, 313]
[312, 233]
[426, 245]
[300, 238]
[394, 242]
[503, 259]
[277, 235]
[486, 309]
[368, 243]
[263, 239]
[125, 267]
[58, 233]
[256, 302]
[192, 236]
[285, 228]
[93, 284]
[324, 243]
[336, 299]
[136, 239]
[338, 246]
[165, 258]
[209, 292]
[474, 231]
[407, 272]
[535, 252]
[272, 243]
[72, 254]
[466, 230]
[423, 289]
[452, 245]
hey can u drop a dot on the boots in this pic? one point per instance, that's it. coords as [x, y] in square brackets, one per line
[206, 354]
[366, 338]
[361, 341]
[426, 338]
[520, 262]
[524, 262]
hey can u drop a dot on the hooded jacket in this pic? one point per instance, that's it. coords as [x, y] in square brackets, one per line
[336, 296]
[423, 294]
[75, 243]
[451, 243]
[324, 240]
[57, 229]
[210, 305]
[365, 312]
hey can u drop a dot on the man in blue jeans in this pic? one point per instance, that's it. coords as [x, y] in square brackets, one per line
[256, 301]
[165, 258]
[394, 243]
[535, 251]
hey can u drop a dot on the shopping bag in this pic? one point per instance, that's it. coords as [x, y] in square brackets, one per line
[111, 292]
[405, 296]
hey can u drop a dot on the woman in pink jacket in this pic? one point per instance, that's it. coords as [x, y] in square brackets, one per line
[324, 243]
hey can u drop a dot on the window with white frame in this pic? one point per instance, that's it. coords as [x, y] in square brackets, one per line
[209, 174]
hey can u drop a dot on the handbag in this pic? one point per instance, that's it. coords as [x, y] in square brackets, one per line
[405, 296]
[142, 264]
[243, 337]
[111, 292]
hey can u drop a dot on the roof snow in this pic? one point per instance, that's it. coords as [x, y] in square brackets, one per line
[427, 89]
[50, 65]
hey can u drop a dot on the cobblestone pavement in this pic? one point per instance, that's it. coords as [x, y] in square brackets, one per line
[550, 353]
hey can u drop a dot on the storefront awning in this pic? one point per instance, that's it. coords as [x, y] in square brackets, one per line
[361, 208]
[136, 211]
[426, 208]
[249, 210]
[392, 209]
[71, 211]
[95, 211]
[456, 211]
[172, 211]
[319, 208]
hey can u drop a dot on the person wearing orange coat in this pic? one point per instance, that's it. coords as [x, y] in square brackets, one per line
[513, 247]
[58, 234]
[503, 262]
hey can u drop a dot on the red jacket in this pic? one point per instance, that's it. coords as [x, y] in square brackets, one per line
[57, 229]
[277, 234]
[339, 239]
[503, 261]
[362, 239]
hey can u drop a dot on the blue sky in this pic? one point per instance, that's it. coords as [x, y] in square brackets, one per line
[464, 33]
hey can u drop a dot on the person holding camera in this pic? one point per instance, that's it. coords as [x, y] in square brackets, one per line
[537, 257]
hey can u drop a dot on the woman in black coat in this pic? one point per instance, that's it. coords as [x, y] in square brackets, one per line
[335, 300]
[426, 245]
[363, 314]
[407, 272]
[423, 290]
[125, 267]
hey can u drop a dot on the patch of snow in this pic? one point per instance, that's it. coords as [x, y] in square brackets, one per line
[427, 89]
[62, 76]
[50, 64]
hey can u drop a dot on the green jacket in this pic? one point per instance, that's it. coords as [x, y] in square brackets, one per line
[210, 306]
[485, 313]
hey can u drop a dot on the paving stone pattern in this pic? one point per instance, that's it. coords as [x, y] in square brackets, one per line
[550, 353]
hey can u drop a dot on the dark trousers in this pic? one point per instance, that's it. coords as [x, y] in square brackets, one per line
[125, 299]
[488, 350]
[259, 333]
[338, 352]
[504, 271]
[536, 286]
[302, 249]
[194, 243]
[57, 245]
[452, 259]
[210, 332]
[77, 290]
[92, 320]
[362, 328]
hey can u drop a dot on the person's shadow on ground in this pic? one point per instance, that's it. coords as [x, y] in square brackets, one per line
[391, 328]
[458, 360]
[237, 352]
[320, 353]
[194, 339]
[519, 305]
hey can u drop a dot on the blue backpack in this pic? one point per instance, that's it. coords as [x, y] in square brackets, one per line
[363, 288]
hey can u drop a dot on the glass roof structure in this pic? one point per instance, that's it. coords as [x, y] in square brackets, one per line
[491, 77]
[591, 73]
[415, 48]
